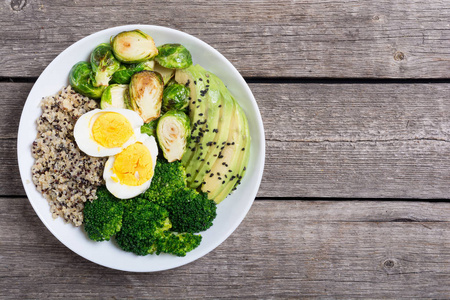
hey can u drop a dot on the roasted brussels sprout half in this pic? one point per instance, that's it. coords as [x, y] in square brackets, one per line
[104, 64]
[133, 46]
[146, 90]
[173, 132]
[167, 74]
[114, 96]
[150, 128]
[123, 75]
[175, 96]
[173, 56]
[80, 78]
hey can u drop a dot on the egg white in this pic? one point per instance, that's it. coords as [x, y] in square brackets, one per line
[123, 191]
[83, 131]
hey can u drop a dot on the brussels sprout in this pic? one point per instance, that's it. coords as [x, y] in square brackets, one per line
[175, 96]
[104, 64]
[114, 96]
[150, 128]
[80, 78]
[173, 132]
[146, 90]
[123, 75]
[167, 74]
[133, 46]
[173, 56]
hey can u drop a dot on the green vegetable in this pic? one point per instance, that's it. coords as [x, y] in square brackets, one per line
[166, 74]
[173, 56]
[114, 96]
[143, 224]
[220, 137]
[81, 80]
[175, 96]
[167, 179]
[173, 132]
[150, 128]
[104, 64]
[145, 231]
[191, 211]
[123, 75]
[103, 216]
[133, 46]
[146, 90]
[178, 244]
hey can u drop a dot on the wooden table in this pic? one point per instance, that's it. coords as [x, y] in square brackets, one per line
[354, 97]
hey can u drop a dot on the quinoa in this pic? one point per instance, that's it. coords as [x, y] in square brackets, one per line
[64, 175]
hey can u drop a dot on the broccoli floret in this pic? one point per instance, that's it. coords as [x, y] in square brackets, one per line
[143, 224]
[103, 216]
[178, 244]
[145, 231]
[190, 211]
[167, 179]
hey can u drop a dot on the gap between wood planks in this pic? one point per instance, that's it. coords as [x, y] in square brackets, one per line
[288, 80]
[321, 199]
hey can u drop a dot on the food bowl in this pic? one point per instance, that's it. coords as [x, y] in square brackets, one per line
[230, 212]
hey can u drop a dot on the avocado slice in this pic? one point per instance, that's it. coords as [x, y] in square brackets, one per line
[214, 160]
[216, 133]
[228, 164]
[203, 113]
[241, 165]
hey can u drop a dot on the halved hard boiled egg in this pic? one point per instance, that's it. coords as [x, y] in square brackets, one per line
[107, 132]
[130, 172]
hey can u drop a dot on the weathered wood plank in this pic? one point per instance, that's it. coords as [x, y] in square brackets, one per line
[324, 140]
[404, 39]
[282, 249]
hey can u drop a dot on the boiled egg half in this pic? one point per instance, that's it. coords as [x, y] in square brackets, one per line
[130, 172]
[107, 132]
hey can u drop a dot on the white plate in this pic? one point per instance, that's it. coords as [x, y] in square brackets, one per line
[230, 212]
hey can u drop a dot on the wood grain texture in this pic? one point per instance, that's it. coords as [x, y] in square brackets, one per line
[376, 39]
[324, 140]
[283, 249]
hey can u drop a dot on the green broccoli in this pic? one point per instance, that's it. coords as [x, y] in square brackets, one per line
[190, 211]
[167, 179]
[145, 231]
[143, 224]
[178, 244]
[103, 216]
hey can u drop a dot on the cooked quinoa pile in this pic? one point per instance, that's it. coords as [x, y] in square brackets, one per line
[62, 173]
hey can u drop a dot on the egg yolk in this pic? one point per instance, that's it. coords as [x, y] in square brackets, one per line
[133, 166]
[111, 130]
